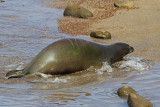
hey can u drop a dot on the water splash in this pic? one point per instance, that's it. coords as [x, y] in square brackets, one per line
[43, 75]
[105, 68]
[47, 78]
[128, 64]
[18, 66]
[57, 80]
[136, 63]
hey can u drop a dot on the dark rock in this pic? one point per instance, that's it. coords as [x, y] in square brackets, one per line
[101, 35]
[125, 91]
[135, 100]
[124, 3]
[1, 1]
[77, 11]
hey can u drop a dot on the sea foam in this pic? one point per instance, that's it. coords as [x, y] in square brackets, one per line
[136, 63]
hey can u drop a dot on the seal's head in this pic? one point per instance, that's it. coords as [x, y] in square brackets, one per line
[120, 50]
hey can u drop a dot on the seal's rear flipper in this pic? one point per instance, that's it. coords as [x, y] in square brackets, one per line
[14, 74]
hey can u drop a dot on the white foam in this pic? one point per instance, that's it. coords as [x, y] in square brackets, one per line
[18, 66]
[136, 63]
[9, 67]
[57, 80]
[49, 78]
[132, 63]
[43, 75]
[105, 68]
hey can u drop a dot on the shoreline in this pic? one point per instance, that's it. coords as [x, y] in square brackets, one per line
[138, 27]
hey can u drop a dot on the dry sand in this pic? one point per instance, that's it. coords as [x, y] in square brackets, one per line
[140, 27]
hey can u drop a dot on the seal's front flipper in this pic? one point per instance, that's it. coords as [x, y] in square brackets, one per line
[14, 74]
[110, 64]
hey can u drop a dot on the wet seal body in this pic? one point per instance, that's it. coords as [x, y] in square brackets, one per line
[70, 55]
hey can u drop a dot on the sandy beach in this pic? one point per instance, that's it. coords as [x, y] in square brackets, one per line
[139, 27]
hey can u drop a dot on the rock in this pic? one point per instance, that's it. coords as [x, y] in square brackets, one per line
[77, 11]
[125, 91]
[1, 1]
[135, 100]
[124, 3]
[100, 34]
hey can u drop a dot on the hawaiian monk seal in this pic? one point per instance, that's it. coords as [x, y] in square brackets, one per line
[70, 55]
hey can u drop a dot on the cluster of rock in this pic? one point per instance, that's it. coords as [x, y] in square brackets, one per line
[81, 12]
[134, 100]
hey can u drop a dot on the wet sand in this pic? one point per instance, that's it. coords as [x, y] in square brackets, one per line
[140, 27]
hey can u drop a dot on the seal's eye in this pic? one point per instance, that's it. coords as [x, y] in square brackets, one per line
[131, 49]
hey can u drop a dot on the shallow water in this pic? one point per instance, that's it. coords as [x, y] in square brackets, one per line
[26, 27]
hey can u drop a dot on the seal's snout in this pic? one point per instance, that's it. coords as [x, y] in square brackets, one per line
[131, 49]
